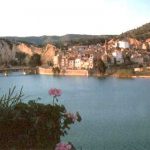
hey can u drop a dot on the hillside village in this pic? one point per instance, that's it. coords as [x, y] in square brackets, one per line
[115, 52]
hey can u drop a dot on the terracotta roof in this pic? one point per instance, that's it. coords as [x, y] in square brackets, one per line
[148, 40]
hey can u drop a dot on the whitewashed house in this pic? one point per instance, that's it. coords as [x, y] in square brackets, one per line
[91, 59]
[85, 65]
[71, 63]
[64, 62]
[145, 46]
[56, 61]
[78, 63]
[117, 55]
[137, 58]
[122, 44]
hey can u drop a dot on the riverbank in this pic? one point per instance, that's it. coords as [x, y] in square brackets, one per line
[67, 72]
[70, 72]
[140, 76]
[24, 69]
[132, 76]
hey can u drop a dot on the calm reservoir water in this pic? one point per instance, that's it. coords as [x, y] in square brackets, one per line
[115, 112]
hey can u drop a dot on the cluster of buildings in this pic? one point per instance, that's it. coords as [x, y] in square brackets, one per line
[128, 51]
[74, 59]
[116, 51]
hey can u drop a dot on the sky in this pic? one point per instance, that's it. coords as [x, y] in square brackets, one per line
[60, 17]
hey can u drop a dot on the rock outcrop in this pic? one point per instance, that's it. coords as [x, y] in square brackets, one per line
[29, 49]
[49, 51]
[7, 51]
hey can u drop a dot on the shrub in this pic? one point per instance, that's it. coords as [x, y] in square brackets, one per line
[32, 125]
[56, 70]
[35, 60]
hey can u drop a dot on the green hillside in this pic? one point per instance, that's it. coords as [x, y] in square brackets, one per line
[141, 33]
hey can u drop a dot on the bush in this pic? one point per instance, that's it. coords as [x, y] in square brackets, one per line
[32, 125]
[124, 73]
[35, 60]
[56, 70]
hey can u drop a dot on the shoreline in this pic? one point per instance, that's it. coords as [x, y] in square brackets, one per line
[132, 76]
[69, 72]
[141, 76]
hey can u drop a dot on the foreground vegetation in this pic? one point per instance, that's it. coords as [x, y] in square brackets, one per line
[34, 125]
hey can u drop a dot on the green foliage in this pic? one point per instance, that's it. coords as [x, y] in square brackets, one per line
[140, 33]
[50, 63]
[13, 63]
[10, 99]
[31, 125]
[100, 66]
[56, 70]
[35, 60]
[20, 56]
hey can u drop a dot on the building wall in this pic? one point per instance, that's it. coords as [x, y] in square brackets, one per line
[123, 44]
[78, 63]
[48, 71]
[118, 56]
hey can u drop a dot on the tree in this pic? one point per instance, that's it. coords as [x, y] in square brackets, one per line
[56, 70]
[50, 63]
[20, 56]
[100, 66]
[35, 60]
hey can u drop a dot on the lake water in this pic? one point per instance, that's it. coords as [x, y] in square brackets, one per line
[115, 112]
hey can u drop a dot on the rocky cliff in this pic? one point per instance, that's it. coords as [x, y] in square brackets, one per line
[29, 49]
[48, 53]
[8, 51]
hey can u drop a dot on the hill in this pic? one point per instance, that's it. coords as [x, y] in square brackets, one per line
[58, 40]
[140, 33]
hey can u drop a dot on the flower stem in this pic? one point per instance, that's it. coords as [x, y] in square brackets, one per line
[53, 100]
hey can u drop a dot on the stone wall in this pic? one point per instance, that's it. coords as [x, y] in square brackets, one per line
[76, 72]
[48, 71]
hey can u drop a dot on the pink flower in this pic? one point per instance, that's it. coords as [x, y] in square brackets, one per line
[55, 92]
[63, 146]
[72, 116]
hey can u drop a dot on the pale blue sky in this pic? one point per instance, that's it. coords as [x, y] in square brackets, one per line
[59, 17]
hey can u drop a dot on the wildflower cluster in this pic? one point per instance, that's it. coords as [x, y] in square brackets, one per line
[73, 117]
[55, 92]
[66, 119]
[63, 146]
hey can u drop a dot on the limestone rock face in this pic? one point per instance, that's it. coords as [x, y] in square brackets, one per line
[134, 43]
[29, 49]
[25, 49]
[7, 51]
[48, 53]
